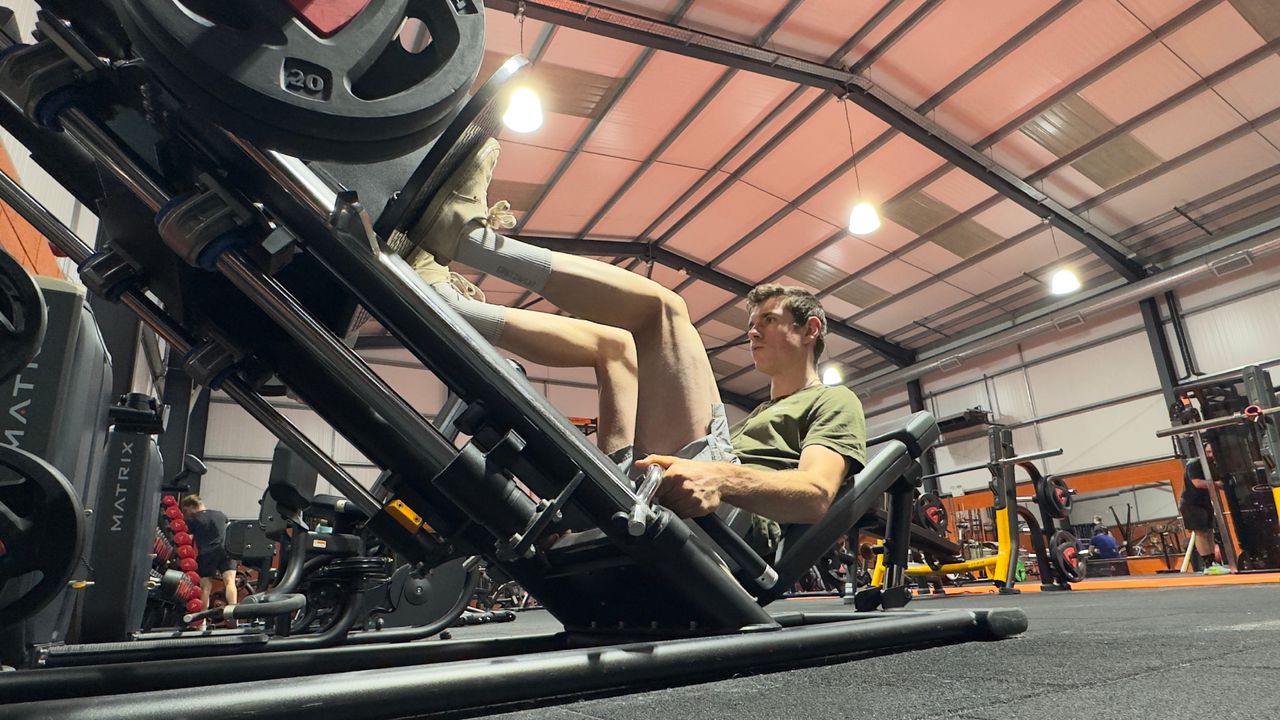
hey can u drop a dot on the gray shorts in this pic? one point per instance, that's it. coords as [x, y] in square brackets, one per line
[762, 534]
[715, 445]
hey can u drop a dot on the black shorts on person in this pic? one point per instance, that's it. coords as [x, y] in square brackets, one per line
[1195, 505]
[1196, 516]
[215, 563]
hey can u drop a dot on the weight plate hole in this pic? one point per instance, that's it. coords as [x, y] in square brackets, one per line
[414, 35]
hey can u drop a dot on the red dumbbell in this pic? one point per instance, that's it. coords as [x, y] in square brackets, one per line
[168, 501]
[178, 525]
[186, 551]
[193, 576]
[182, 538]
[187, 589]
[187, 564]
[173, 512]
[195, 605]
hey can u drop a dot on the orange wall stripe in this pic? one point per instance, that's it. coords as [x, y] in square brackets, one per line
[20, 239]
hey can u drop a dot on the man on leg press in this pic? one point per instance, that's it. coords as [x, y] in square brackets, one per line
[784, 463]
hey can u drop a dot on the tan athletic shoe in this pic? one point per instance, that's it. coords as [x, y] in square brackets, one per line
[433, 272]
[459, 207]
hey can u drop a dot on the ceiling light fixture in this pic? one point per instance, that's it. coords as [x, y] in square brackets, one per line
[524, 111]
[863, 218]
[1064, 281]
[524, 108]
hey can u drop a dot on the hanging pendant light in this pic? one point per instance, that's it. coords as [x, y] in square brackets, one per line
[524, 111]
[1063, 282]
[863, 219]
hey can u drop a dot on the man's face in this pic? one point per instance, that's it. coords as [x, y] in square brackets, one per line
[777, 340]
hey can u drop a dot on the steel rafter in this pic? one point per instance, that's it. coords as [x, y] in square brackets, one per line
[672, 38]
[1105, 67]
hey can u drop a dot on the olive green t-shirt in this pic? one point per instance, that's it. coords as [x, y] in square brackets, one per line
[774, 434]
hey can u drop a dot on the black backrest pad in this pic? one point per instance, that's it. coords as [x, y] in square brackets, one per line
[854, 500]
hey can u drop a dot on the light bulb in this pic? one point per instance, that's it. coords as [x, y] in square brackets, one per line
[863, 220]
[524, 112]
[1064, 281]
[831, 376]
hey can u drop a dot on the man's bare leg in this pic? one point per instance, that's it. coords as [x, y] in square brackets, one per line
[458, 224]
[558, 341]
[229, 590]
[677, 386]
[554, 341]
[1204, 542]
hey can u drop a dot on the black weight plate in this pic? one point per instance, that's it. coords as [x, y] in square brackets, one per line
[931, 513]
[1058, 495]
[257, 69]
[1066, 556]
[22, 317]
[42, 531]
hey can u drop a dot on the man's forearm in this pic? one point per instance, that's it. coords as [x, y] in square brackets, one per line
[788, 496]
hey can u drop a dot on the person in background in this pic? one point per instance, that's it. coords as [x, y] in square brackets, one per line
[1104, 544]
[209, 528]
[1197, 512]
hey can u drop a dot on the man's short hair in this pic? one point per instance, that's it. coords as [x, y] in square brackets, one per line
[191, 502]
[802, 304]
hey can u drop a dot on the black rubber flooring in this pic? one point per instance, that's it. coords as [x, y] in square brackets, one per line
[1208, 652]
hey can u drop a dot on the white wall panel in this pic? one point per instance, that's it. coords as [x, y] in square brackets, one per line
[1099, 373]
[344, 452]
[232, 432]
[235, 488]
[1211, 289]
[973, 369]
[1095, 327]
[363, 475]
[1065, 377]
[877, 424]
[952, 402]
[959, 453]
[882, 401]
[1010, 397]
[1108, 436]
[1238, 333]
[418, 387]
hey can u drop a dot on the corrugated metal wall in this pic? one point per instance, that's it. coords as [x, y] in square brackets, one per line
[1092, 390]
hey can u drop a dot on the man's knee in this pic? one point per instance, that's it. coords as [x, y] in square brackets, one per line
[616, 348]
[663, 309]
